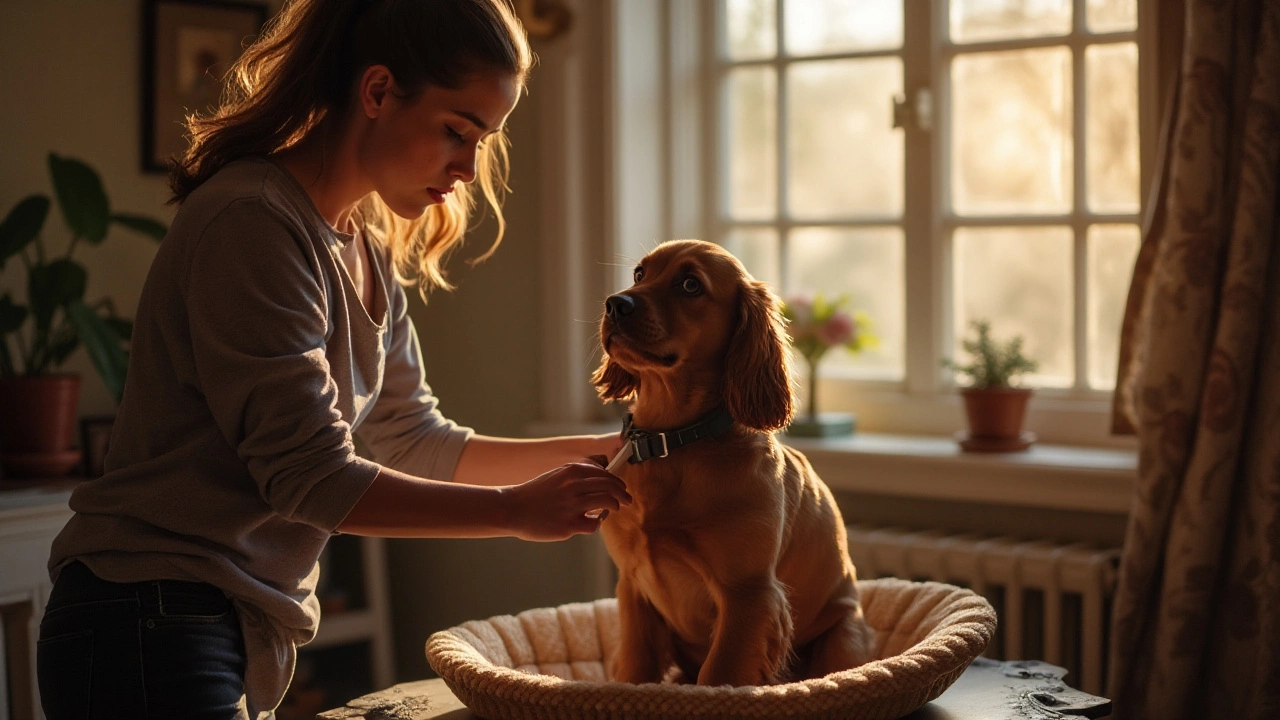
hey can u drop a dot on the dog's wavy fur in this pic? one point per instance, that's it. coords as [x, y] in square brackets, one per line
[732, 559]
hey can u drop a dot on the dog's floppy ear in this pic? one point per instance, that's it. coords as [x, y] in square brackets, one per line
[614, 383]
[757, 383]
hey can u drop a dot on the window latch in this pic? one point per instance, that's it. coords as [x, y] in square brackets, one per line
[917, 114]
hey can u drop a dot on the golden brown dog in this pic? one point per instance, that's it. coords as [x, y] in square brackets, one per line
[732, 559]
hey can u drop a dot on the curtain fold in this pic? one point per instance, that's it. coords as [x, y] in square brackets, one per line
[1196, 620]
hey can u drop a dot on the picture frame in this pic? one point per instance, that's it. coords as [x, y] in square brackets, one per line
[188, 45]
[95, 439]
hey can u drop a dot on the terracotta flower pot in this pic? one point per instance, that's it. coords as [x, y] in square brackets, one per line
[995, 418]
[37, 425]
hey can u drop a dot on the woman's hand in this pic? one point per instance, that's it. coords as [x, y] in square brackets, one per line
[554, 505]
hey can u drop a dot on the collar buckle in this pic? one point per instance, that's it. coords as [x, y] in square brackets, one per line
[646, 446]
[665, 449]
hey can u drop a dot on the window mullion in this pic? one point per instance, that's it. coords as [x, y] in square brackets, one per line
[925, 276]
[1080, 228]
[942, 333]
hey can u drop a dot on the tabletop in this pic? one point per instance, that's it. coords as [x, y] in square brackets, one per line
[988, 690]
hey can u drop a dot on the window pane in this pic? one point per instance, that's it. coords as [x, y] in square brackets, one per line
[752, 155]
[757, 250]
[1112, 15]
[845, 158]
[975, 20]
[1112, 252]
[1011, 132]
[867, 264]
[828, 26]
[751, 28]
[1111, 127]
[1019, 278]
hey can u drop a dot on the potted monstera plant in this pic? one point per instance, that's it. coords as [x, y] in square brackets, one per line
[995, 405]
[37, 402]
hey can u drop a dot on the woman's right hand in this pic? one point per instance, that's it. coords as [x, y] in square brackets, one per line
[554, 505]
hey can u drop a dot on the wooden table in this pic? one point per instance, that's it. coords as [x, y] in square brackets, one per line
[988, 690]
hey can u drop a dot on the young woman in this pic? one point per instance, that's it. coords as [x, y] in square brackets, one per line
[273, 327]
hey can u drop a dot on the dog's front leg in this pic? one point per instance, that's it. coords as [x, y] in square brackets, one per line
[641, 657]
[752, 634]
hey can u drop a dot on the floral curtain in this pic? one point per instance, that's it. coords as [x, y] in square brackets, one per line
[1196, 621]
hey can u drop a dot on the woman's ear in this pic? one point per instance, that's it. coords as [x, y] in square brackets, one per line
[614, 383]
[377, 87]
[757, 383]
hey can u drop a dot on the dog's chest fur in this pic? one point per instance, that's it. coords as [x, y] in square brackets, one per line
[656, 539]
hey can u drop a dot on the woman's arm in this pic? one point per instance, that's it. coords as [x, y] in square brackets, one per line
[552, 506]
[493, 461]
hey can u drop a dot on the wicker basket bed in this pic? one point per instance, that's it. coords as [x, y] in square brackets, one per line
[549, 664]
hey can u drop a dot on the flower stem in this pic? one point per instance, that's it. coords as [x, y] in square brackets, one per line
[813, 387]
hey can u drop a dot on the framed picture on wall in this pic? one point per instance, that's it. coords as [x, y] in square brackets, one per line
[188, 45]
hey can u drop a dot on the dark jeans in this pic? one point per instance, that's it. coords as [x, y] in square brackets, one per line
[158, 649]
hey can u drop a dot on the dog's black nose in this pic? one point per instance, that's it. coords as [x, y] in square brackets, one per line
[617, 306]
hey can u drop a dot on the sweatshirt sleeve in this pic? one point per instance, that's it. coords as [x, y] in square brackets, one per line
[258, 316]
[405, 429]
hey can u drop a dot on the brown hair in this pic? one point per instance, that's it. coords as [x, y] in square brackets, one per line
[302, 71]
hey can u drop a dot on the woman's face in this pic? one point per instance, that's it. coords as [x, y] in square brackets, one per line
[418, 148]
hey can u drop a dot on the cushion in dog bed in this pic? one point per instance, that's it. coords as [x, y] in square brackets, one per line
[550, 663]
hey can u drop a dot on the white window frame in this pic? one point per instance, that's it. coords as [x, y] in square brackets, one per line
[925, 401]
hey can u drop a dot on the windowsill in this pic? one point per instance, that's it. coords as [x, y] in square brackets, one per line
[1056, 477]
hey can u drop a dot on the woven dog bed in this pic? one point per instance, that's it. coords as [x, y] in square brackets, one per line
[549, 663]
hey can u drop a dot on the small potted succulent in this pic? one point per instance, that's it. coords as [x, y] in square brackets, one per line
[815, 325]
[38, 403]
[995, 404]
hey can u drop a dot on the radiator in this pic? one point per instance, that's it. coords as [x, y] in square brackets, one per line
[1053, 601]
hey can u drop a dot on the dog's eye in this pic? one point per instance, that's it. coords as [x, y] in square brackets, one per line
[638, 274]
[691, 285]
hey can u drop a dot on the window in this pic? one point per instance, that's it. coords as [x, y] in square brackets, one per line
[937, 162]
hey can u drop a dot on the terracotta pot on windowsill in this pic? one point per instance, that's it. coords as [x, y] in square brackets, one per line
[995, 418]
[37, 424]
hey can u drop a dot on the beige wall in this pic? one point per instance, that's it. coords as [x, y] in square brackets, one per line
[70, 85]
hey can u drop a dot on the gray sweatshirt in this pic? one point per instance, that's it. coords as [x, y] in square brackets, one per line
[252, 362]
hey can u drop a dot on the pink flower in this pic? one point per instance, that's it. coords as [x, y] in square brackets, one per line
[800, 309]
[837, 330]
